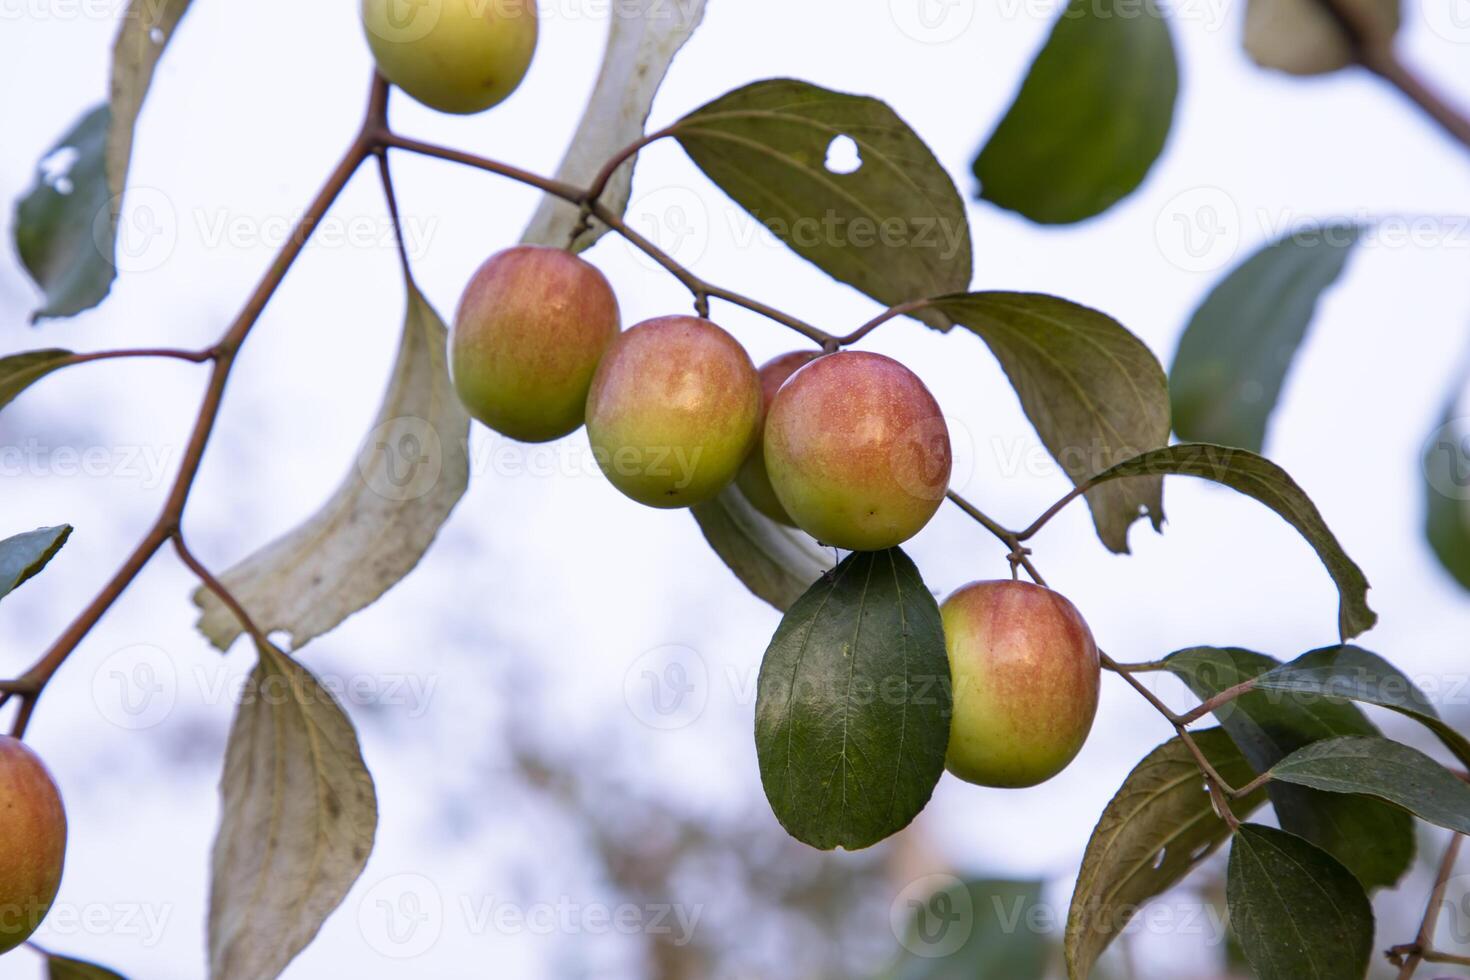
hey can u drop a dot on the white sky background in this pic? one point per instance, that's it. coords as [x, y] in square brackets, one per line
[559, 577]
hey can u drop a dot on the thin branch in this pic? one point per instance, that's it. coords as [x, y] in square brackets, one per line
[1053, 511]
[216, 586]
[385, 176]
[1224, 697]
[599, 182]
[1424, 941]
[196, 356]
[223, 356]
[893, 312]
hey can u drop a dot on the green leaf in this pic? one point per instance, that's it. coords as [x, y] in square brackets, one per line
[299, 813]
[853, 704]
[1234, 355]
[1304, 37]
[66, 968]
[411, 470]
[895, 228]
[775, 562]
[641, 43]
[1353, 673]
[1447, 495]
[1385, 769]
[981, 929]
[1155, 830]
[1094, 391]
[23, 555]
[19, 371]
[63, 226]
[1268, 483]
[66, 226]
[1374, 840]
[1091, 117]
[1297, 912]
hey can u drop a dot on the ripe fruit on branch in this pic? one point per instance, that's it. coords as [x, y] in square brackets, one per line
[32, 842]
[752, 479]
[857, 451]
[453, 55]
[531, 328]
[673, 411]
[1025, 672]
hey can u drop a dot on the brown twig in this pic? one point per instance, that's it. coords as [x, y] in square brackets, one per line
[223, 356]
[216, 586]
[1422, 948]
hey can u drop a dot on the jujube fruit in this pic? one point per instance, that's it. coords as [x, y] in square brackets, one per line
[531, 327]
[1025, 673]
[32, 842]
[857, 451]
[453, 55]
[673, 411]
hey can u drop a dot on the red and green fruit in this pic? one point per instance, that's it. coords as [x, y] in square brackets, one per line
[673, 411]
[32, 842]
[753, 480]
[1025, 674]
[532, 325]
[452, 55]
[857, 451]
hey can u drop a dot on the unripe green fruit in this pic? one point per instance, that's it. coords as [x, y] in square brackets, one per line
[32, 842]
[1025, 674]
[753, 480]
[530, 330]
[857, 451]
[453, 55]
[673, 411]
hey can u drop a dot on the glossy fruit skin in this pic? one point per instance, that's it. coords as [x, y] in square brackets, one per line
[673, 411]
[32, 842]
[531, 328]
[458, 56]
[1025, 673]
[753, 480]
[857, 451]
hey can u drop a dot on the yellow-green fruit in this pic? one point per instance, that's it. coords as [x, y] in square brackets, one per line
[857, 451]
[453, 55]
[673, 411]
[32, 842]
[532, 325]
[753, 480]
[1025, 676]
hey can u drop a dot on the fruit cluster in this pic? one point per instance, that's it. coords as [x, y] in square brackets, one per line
[848, 446]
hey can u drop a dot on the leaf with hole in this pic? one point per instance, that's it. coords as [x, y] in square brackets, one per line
[894, 228]
[1374, 840]
[776, 562]
[1258, 477]
[24, 555]
[853, 704]
[1349, 672]
[1233, 358]
[298, 818]
[641, 43]
[1091, 117]
[408, 475]
[1095, 393]
[1384, 769]
[19, 371]
[1296, 912]
[66, 226]
[1156, 829]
